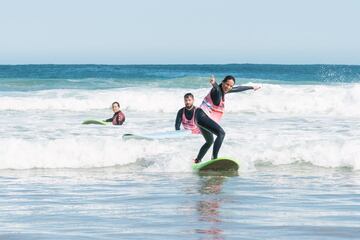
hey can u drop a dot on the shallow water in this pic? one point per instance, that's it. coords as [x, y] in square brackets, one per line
[274, 202]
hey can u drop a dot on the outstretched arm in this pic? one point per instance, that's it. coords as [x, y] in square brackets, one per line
[216, 93]
[243, 88]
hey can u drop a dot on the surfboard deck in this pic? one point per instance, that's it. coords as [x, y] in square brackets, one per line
[218, 164]
[98, 122]
[158, 135]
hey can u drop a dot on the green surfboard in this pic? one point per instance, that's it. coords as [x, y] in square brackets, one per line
[218, 164]
[98, 122]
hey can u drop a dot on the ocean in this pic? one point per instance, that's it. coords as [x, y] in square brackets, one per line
[296, 140]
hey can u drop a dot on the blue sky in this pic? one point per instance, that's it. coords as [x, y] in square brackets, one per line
[169, 31]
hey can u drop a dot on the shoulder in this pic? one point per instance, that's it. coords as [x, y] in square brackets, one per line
[121, 114]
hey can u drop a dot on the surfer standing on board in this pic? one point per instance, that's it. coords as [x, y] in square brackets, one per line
[118, 117]
[208, 116]
[186, 115]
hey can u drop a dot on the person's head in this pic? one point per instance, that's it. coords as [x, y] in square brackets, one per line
[115, 106]
[228, 83]
[188, 100]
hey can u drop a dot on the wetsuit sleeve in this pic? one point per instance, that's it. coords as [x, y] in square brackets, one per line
[216, 94]
[108, 120]
[178, 120]
[240, 89]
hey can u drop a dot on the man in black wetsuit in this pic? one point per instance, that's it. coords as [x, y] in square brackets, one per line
[186, 115]
[210, 112]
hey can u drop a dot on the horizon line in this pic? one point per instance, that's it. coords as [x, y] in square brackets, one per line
[173, 64]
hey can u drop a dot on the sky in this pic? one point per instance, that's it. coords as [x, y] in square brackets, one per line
[179, 31]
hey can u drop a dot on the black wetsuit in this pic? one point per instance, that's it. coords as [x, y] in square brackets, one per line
[188, 115]
[208, 127]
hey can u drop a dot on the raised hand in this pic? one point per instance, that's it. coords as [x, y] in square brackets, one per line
[212, 80]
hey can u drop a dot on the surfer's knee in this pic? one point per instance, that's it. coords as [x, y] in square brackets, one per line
[221, 133]
[209, 140]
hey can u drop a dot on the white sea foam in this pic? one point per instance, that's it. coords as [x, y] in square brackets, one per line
[286, 99]
[171, 156]
[80, 152]
[308, 123]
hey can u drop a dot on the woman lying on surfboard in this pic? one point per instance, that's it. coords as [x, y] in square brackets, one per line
[208, 115]
[118, 117]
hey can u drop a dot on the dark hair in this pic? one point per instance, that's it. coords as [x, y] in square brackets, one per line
[228, 77]
[116, 103]
[189, 95]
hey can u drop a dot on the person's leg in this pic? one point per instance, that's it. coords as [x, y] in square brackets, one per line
[218, 141]
[209, 141]
[206, 124]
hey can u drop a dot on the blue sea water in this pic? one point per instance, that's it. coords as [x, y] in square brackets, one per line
[42, 77]
[296, 139]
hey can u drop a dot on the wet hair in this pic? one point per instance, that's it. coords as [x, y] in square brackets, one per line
[117, 103]
[228, 77]
[189, 95]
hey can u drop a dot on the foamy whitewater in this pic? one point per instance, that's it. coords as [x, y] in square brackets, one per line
[302, 126]
[286, 122]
